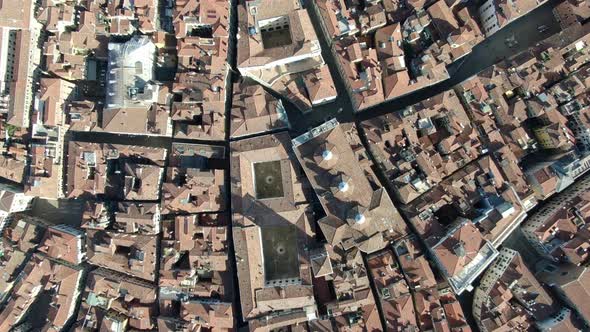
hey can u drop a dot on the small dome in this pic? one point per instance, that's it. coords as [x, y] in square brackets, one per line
[343, 186]
[359, 218]
[326, 155]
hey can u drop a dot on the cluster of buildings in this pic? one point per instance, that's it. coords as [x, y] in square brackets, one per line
[19, 33]
[201, 82]
[467, 164]
[509, 296]
[277, 47]
[456, 195]
[114, 171]
[80, 79]
[410, 296]
[529, 113]
[557, 233]
[387, 49]
[532, 104]
[151, 251]
[39, 262]
[195, 179]
[290, 271]
[202, 211]
[196, 279]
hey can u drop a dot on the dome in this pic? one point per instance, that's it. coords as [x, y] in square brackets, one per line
[359, 218]
[341, 184]
[326, 155]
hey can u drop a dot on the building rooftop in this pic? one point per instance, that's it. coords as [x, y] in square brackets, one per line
[212, 315]
[130, 87]
[255, 111]
[271, 219]
[424, 144]
[111, 299]
[278, 47]
[337, 18]
[202, 32]
[65, 243]
[96, 215]
[117, 171]
[194, 180]
[194, 17]
[142, 218]
[18, 104]
[42, 274]
[130, 69]
[351, 302]
[292, 36]
[413, 264]
[132, 254]
[12, 169]
[18, 16]
[462, 255]
[19, 239]
[396, 301]
[356, 212]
